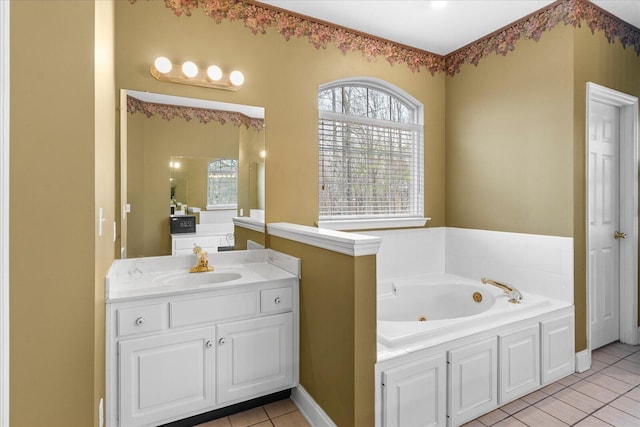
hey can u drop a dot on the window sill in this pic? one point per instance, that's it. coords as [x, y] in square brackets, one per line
[372, 223]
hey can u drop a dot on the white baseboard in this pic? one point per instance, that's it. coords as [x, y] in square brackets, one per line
[310, 409]
[583, 360]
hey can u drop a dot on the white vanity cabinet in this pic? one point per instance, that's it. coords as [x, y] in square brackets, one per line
[174, 356]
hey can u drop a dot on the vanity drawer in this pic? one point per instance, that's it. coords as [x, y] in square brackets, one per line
[139, 320]
[276, 300]
[213, 309]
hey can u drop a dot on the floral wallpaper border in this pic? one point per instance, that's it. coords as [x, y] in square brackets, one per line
[204, 115]
[568, 12]
[259, 17]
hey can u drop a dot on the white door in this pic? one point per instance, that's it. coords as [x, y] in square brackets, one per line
[604, 214]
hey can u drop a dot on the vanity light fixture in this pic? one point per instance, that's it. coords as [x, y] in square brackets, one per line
[190, 74]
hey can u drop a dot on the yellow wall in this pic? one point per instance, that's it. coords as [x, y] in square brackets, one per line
[251, 144]
[510, 141]
[241, 235]
[151, 144]
[57, 262]
[337, 330]
[104, 177]
[597, 61]
[282, 76]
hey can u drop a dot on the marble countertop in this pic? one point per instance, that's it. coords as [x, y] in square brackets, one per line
[137, 278]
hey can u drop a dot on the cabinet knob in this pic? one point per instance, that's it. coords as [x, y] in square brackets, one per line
[277, 300]
[209, 344]
[139, 321]
[222, 341]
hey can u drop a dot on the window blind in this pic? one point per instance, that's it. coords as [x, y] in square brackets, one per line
[369, 167]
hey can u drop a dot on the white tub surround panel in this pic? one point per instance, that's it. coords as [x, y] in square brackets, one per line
[408, 252]
[217, 216]
[338, 241]
[541, 265]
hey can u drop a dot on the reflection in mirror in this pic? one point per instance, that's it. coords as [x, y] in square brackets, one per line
[211, 154]
[203, 182]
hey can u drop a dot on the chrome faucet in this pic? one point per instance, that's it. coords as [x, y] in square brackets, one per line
[514, 295]
[203, 262]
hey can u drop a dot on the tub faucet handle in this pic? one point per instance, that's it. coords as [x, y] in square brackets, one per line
[515, 296]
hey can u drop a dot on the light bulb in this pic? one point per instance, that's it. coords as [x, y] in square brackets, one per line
[236, 78]
[263, 154]
[214, 73]
[162, 64]
[189, 69]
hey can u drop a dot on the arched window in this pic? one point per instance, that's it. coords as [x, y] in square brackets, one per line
[370, 139]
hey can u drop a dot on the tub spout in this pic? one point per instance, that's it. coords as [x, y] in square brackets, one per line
[514, 295]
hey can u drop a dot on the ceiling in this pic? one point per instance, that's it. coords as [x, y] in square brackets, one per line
[424, 25]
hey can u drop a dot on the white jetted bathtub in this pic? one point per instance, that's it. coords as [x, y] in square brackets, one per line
[451, 349]
[427, 306]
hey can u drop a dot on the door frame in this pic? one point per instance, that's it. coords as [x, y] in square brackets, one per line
[4, 213]
[628, 208]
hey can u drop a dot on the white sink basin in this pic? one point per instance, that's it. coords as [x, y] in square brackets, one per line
[197, 279]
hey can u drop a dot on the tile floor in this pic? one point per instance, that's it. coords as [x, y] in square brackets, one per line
[606, 395]
[283, 413]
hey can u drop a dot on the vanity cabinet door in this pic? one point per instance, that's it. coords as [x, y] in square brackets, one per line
[413, 395]
[473, 380]
[166, 377]
[255, 357]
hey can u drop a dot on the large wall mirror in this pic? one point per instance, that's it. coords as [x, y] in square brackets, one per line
[185, 156]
